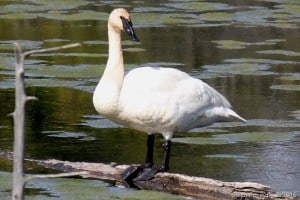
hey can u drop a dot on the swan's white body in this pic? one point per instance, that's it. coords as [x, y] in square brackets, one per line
[155, 100]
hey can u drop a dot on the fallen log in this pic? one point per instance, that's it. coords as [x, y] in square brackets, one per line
[190, 186]
[196, 187]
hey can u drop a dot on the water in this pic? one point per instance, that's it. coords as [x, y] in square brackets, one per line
[249, 51]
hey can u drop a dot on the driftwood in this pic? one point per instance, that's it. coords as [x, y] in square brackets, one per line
[196, 187]
[190, 186]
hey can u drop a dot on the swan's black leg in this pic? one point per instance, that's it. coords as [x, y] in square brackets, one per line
[167, 150]
[149, 173]
[149, 156]
[135, 171]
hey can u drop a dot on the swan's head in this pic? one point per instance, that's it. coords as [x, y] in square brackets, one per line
[120, 20]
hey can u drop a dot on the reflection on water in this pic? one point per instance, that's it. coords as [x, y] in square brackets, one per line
[248, 50]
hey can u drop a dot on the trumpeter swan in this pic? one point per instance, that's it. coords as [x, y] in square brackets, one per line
[154, 99]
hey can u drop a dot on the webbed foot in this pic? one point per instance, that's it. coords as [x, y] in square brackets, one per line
[135, 173]
[130, 173]
[147, 174]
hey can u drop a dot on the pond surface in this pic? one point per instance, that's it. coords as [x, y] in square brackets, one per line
[249, 51]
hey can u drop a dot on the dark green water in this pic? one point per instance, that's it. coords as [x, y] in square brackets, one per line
[248, 51]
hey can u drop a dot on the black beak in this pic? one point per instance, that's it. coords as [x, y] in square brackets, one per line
[127, 26]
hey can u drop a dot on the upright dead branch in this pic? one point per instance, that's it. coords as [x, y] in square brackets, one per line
[19, 127]
[19, 180]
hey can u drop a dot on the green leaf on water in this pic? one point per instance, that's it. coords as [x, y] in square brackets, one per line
[230, 138]
[199, 6]
[239, 158]
[217, 16]
[230, 44]
[288, 87]
[290, 77]
[280, 52]
[240, 68]
[200, 140]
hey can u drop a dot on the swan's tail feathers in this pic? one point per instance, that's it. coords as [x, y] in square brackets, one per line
[223, 114]
[234, 116]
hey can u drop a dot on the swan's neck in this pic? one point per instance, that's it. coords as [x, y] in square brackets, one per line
[115, 63]
[115, 66]
[106, 95]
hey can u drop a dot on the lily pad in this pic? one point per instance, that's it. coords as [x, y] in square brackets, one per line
[253, 137]
[280, 52]
[275, 41]
[82, 15]
[259, 123]
[55, 40]
[164, 19]
[296, 114]
[163, 64]
[144, 9]
[51, 82]
[18, 16]
[288, 87]
[241, 69]
[249, 137]
[238, 158]
[255, 16]
[290, 77]
[230, 44]
[217, 16]
[97, 121]
[260, 61]
[95, 42]
[63, 134]
[60, 71]
[200, 141]
[25, 44]
[293, 8]
[91, 55]
[57, 5]
[199, 6]
[7, 83]
[134, 49]
[150, 19]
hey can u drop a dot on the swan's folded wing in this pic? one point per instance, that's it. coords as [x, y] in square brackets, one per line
[201, 105]
[164, 99]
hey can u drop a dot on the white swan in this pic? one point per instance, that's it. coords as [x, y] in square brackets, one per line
[154, 100]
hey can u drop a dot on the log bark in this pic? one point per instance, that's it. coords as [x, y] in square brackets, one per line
[196, 187]
[190, 186]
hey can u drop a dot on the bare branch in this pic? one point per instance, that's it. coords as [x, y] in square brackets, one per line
[19, 180]
[11, 114]
[19, 127]
[31, 98]
[28, 53]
